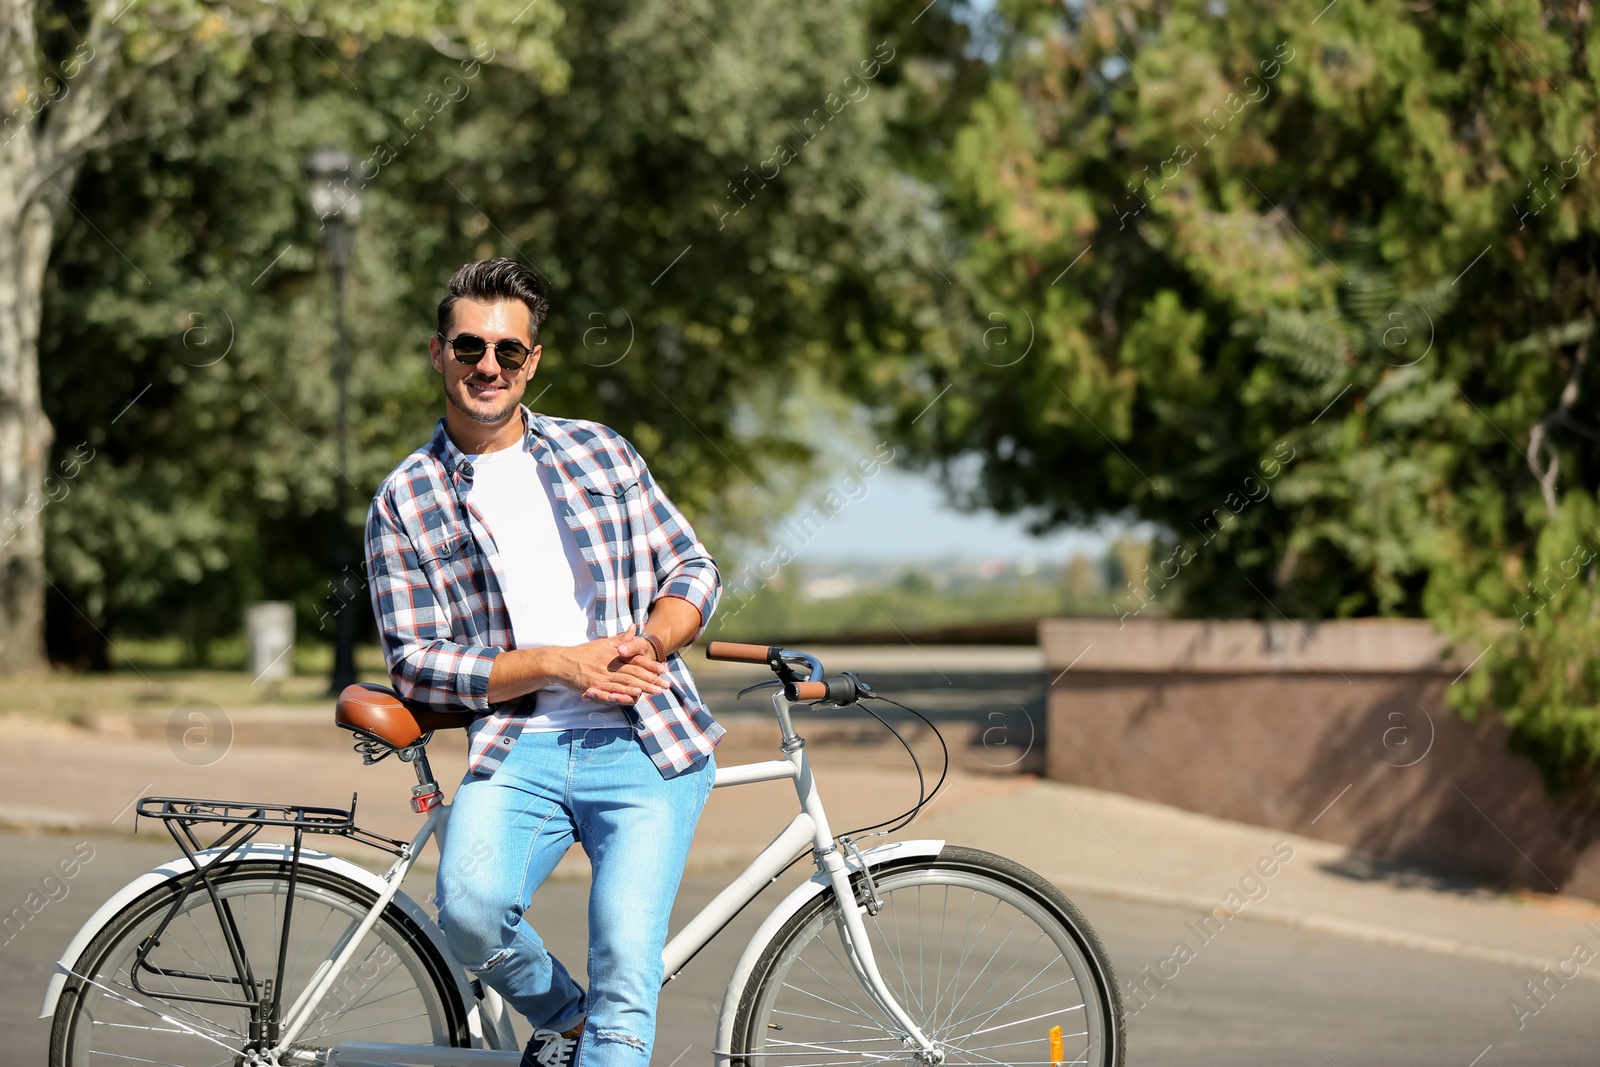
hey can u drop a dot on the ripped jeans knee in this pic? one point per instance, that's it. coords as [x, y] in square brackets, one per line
[490, 963]
[477, 934]
[620, 1038]
[611, 1046]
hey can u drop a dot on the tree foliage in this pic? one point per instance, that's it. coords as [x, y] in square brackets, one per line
[1309, 286]
[189, 342]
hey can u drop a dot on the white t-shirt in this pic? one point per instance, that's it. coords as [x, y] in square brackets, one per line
[549, 592]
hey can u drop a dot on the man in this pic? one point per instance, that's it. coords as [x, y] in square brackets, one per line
[529, 570]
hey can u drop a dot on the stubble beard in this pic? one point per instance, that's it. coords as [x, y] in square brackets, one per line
[513, 397]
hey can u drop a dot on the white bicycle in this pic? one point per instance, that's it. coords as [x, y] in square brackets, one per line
[247, 953]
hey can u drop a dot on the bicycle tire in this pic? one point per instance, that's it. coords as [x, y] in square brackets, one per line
[806, 951]
[93, 1002]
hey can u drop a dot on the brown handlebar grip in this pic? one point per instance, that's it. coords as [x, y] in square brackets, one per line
[735, 652]
[810, 691]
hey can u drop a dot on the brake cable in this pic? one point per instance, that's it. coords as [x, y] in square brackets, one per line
[924, 798]
[844, 690]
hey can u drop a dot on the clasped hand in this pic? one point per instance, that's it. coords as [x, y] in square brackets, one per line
[615, 670]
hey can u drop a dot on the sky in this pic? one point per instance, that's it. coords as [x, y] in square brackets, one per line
[903, 517]
[899, 514]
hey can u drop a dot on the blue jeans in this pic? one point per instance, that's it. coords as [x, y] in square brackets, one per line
[506, 833]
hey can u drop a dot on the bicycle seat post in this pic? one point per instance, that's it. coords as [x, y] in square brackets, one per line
[425, 795]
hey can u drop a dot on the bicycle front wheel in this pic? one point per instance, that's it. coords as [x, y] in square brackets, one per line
[986, 957]
[395, 988]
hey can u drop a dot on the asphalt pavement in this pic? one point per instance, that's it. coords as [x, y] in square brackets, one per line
[1315, 955]
[1259, 993]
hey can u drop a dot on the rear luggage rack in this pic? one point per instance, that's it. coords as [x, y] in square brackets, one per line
[244, 819]
[237, 823]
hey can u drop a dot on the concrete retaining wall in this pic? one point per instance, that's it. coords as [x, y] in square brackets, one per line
[1334, 730]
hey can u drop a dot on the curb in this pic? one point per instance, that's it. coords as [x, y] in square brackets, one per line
[42, 820]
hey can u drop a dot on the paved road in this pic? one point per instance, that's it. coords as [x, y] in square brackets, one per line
[1257, 994]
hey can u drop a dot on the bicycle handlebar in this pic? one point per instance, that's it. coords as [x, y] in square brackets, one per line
[838, 691]
[782, 661]
[735, 652]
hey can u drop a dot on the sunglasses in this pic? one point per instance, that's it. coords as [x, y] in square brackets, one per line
[469, 348]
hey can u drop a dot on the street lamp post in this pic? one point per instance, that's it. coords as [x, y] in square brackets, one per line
[338, 207]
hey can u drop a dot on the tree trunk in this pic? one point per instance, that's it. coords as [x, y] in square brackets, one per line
[25, 434]
[25, 227]
[57, 112]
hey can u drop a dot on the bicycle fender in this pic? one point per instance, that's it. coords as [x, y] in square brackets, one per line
[256, 851]
[817, 883]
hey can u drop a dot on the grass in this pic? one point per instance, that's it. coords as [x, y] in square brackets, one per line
[146, 677]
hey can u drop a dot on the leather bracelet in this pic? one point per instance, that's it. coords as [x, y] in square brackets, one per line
[655, 643]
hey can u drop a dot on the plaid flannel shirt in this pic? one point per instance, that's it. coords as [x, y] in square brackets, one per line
[435, 582]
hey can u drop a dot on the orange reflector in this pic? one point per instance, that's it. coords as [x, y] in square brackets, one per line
[1057, 1054]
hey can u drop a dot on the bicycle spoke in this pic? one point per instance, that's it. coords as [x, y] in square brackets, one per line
[938, 986]
[136, 1026]
[1011, 1044]
[163, 1063]
[984, 969]
[905, 978]
[853, 1055]
[205, 1026]
[217, 1029]
[989, 984]
[966, 939]
[222, 991]
[790, 1014]
[996, 983]
[1010, 1061]
[350, 968]
[141, 1059]
[142, 1007]
[1018, 1000]
[369, 1026]
[300, 948]
[307, 1035]
[854, 1008]
[398, 995]
[847, 969]
[367, 1003]
[921, 942]
[1020, 1022]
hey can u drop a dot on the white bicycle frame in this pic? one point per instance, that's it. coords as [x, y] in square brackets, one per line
[493, 1028]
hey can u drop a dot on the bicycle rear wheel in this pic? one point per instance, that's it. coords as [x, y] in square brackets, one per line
[985, 956]
[395, 988]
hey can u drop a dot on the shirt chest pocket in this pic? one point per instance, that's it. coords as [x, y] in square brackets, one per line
[610, 526]
[613, 504]
[447, 557]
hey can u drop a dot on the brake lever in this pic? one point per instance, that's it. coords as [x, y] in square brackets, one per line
[854, 691]
[758, 685]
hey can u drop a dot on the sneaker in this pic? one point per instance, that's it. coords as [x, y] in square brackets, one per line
[547, 1048]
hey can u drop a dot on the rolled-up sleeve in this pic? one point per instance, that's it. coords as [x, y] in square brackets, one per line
[425, 663]
[683, 567]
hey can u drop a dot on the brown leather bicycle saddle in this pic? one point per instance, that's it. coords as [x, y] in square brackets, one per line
[378, 713]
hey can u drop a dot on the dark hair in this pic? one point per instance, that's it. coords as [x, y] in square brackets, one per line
[489, 280]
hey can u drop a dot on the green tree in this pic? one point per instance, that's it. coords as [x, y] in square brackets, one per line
[82, 80]
[636, 166]
[1308, 286]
